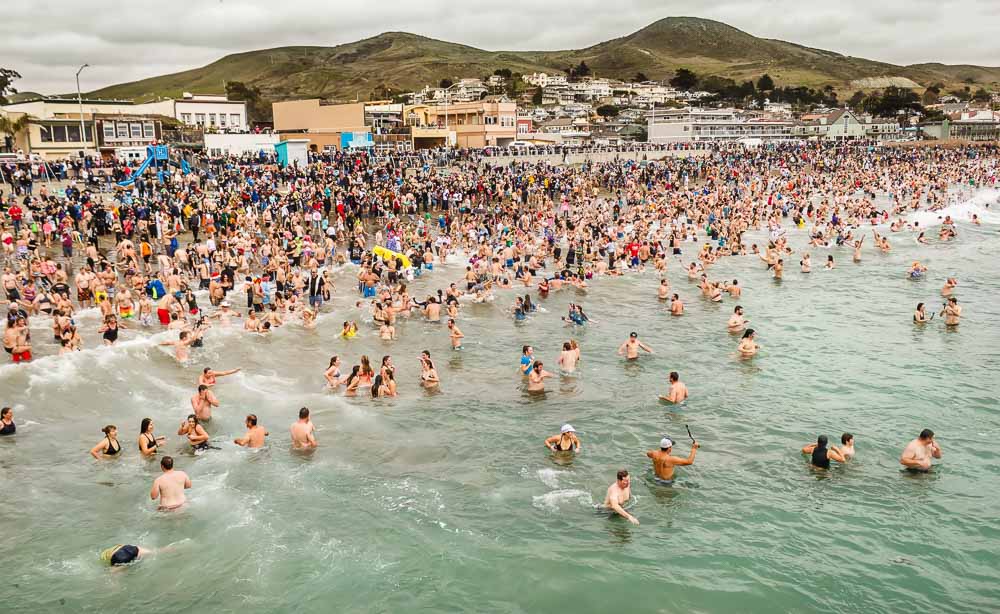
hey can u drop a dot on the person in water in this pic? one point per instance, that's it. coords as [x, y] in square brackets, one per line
[170, 486]
[123, 554]
[920, 316]
[748, 346]
[109, 446]
[821, 455]
[565, 441]
[618, 495]
[148, 443]
[951, 312]
[7, 426]
[630, 348]
[196, 434]
[255, 434]
[664, 462]
[918, 453]
[302, 432]
[678, 392]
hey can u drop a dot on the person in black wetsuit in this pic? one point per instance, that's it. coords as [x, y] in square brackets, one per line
[108, 446]
[7, 426]
[821, 455]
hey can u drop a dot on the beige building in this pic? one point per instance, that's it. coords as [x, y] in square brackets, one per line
[477, 124]
[319, 122]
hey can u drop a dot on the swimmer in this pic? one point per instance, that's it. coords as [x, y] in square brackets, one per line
[123, 554]
[630, 348]
[618, 495]
[181, 345]
[917, 270]
[918, 453]
[332, 374]
[920, 316]
[255, 434]
[527, 359]
[748, 347]
[7, 426]
[208, 376]
[109, 446]
[678, 392]
[676, 306]
[664, 290]
[202, 403]
[196, 433]
[664, 463]
[736, 321]
[536, 379]
[303, 431]
[455, 334]
[951, 312]
[805, 264]
[565, 441]
[568, 357]
[820, 455]
[148, 443]
[949, 286]
[428, 374]
[169, 488]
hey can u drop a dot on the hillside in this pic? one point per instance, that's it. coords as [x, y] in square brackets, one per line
[404, 62]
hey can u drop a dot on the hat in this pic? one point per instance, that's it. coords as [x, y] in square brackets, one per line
[225, 303]
[567, 428]
[666, 443]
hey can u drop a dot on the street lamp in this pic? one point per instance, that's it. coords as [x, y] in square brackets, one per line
[446, 95]
[79, 100]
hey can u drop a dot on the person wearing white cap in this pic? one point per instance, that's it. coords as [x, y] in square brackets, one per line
[225, 312]
[664, 463]
[565, 441]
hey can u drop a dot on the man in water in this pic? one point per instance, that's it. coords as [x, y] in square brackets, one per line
[630, 349]
[951, 312]
[618, 495]
[169, 487]
[302, 432]
[455, 334]
[664, 463]
[123, 554]
[917, 454]
[678, 390]
[255, 435]
[737, 322]
[202, 403]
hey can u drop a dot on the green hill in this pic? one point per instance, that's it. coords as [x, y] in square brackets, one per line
[405, 62]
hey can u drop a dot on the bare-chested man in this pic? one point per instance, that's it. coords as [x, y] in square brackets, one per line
[302, 431]
[255, 434]
[202, 403]
[678, 390]
[951, 312]
[664, 463]
[737, 322]
[618, 495]
[630, 348]
[918, 453]
[169, 487]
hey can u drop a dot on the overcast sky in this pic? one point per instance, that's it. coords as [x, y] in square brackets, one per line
[47, 40]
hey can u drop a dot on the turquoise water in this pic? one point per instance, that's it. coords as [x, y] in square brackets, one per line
[450, 502]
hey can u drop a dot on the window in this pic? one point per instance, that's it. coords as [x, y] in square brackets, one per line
[59, 134]
[121, 129]
[234, 120]
[73, 134]
[135, 131]
[211, 119]
[199, 119]
[109, 131]
[186, 118]
[222, 119]
[45, 134]
[148, 130]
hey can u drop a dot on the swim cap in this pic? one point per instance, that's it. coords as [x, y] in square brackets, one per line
[567, 428]
[107, 554]
[666, 443]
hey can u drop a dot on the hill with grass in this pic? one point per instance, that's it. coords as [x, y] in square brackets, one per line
[396, 62]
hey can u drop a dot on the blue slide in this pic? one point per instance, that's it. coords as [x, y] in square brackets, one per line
[136, 173]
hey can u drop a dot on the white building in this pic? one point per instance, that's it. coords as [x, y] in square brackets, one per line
[844, 125]
[223, 144]
[692, 124]
[205, 111]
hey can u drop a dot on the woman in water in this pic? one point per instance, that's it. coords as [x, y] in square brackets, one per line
[7, 426]
[830, 263]
[110, 330]
[332, 373]
[568, 357]
[920, 316]
[748, 347]
[196, 434]
[917, 270]
[565, 441]
[428, 374]
[351, 388]
[366, 373]
[108, 446]
[148, 443]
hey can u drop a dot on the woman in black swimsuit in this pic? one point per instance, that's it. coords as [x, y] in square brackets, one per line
[108, 446]
[7, 421]
[565, 441]
[147, 441]
[110, 330]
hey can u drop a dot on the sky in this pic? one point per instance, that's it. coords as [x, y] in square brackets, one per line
[46, 41]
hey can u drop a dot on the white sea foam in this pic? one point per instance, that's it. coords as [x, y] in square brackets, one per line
[552, 501]
[549, 477]
[963, 211]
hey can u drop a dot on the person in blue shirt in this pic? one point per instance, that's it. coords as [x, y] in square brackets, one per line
[527, 359]
[155, 289]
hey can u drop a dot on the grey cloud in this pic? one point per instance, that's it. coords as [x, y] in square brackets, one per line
[46, 40]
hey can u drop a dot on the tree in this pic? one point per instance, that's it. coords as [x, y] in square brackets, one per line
[930, 95]
[981, 95]
[684, 79]
[258, 109]
[855, 100]
[765, 83]
[608, 110]
[640, 77]
[7, 78]
[582, 70]
[503, 72]
[446, 83]
[536, 98]
[9, 128]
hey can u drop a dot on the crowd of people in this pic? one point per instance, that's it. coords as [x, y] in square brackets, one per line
[241, 239]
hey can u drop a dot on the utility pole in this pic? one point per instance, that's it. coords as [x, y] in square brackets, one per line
[79, 100]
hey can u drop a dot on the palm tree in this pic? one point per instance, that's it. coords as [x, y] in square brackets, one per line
[11, 127]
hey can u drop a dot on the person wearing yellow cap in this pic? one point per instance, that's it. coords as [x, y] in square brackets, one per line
[123, 554]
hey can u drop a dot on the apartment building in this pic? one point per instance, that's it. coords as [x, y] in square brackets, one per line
[492, 121]
[209, 112]
[692, 124]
